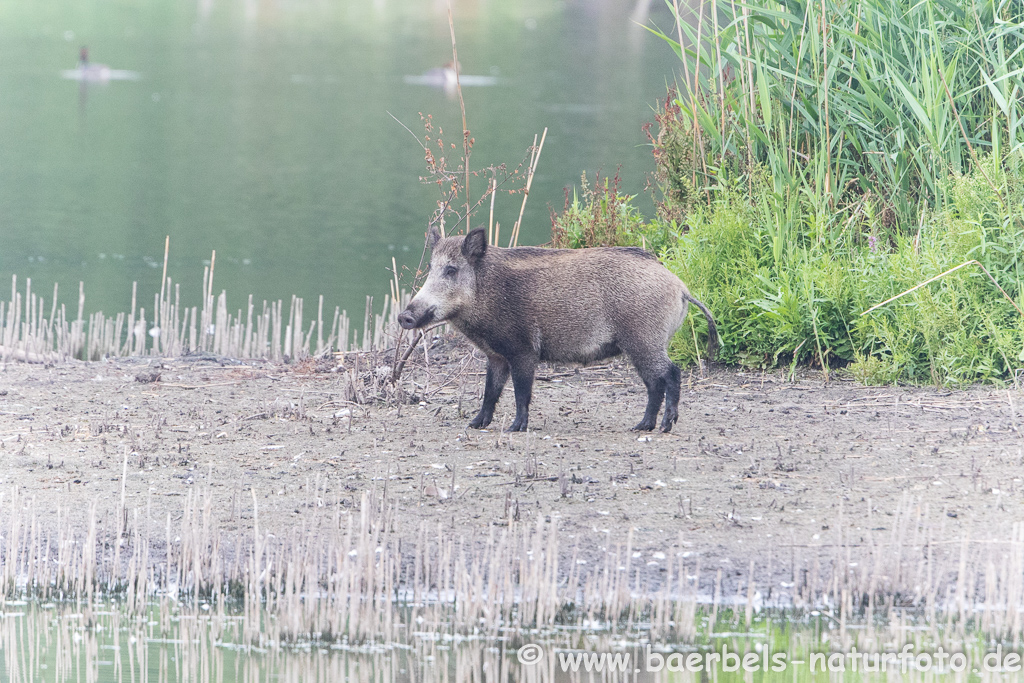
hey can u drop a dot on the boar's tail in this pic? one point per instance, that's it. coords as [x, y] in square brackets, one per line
[713, 338]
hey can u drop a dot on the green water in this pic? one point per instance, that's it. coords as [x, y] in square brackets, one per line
[261, 130]
[65, 642]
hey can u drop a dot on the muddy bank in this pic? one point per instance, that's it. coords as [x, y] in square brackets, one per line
[792, 475]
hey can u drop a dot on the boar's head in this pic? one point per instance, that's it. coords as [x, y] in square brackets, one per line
[450, 287]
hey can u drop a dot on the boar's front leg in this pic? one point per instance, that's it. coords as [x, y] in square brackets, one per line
[497, 375]
[523, 369]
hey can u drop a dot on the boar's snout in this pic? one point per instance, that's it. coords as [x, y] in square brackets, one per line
[409, 319]
[406, 320]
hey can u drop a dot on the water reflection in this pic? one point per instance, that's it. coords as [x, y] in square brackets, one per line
[64, 642]
[262, 130]
[90, 72]
[448, 80]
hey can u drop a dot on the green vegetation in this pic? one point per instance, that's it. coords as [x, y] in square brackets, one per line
[806, 307]
[606, 217]
[820, 158]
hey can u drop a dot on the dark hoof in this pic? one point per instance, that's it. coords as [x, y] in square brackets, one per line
[480, 421]
[517, 426]
[644, 426]
[668, 421]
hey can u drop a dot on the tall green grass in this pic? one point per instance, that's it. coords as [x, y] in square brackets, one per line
[827, 156]
[860, 106]
[819, 158]
[808, 307]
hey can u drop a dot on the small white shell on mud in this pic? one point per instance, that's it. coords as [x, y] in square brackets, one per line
[435, 492]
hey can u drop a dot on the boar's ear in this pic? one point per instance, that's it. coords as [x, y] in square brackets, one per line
[474, 246]
[433, 236]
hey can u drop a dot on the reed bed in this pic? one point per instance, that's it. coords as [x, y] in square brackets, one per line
[342, 576]
[850, 104]
[31, 331]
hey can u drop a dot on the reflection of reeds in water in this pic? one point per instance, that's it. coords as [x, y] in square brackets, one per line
[339, 576]
[31, 331]
[345, 576]
[63, 643]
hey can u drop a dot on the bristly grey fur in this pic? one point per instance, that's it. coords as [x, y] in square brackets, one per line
[525, 305]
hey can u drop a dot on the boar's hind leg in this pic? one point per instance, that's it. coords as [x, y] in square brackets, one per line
[523, 369]
[497, 375]
[661, 381]
[672, 381]
[655, 394]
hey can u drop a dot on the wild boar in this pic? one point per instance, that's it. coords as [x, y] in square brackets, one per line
[524, 305]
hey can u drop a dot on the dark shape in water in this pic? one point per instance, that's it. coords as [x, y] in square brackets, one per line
[445, 78]
[90, 72]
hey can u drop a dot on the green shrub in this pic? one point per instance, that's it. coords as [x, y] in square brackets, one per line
[820, 158]
[806, 306]
[768, 312]
[960, 328]
[604, 217]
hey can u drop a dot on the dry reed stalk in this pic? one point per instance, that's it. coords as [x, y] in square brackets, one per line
[349, 578]
[466, 144]
[27, 334]
[535, 151]
[491, 237]
[719, 68]
[828, 132]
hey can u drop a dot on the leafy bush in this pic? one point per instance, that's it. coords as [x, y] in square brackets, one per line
[768, 311]
[823, 156]
[604, 217]
[807, 306]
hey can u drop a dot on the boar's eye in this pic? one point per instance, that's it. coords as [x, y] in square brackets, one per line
[449, 271]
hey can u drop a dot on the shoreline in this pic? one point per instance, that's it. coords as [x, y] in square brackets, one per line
[803, 488]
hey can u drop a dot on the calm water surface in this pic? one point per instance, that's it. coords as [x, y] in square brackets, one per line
[260, 129]
[72, 643]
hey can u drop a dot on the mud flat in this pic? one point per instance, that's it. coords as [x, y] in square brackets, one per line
[786, 483]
